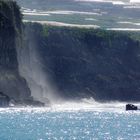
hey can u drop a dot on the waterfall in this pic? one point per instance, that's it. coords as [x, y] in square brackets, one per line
[30, 67]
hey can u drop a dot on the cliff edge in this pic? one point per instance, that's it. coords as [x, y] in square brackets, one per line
[11, 83]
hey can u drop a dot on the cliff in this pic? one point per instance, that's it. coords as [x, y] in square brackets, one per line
[11, 83]
[89, 63]
[47, 62]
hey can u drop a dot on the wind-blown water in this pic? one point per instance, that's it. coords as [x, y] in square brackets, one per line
[30, 67]
[82, 121]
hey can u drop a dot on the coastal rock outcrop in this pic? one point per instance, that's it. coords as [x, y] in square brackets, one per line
[4, 100]
[131, 107]
[12, 83]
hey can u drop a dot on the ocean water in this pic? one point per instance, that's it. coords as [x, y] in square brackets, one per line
[70, 121]
[106, 14]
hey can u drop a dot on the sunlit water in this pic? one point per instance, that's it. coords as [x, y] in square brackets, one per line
[70, 121]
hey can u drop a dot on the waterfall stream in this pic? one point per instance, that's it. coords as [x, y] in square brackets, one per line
[30, 67]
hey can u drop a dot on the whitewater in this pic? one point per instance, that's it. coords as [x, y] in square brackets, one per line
[70, 121]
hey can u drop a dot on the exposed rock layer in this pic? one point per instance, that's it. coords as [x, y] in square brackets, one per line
[80, 62]
[11, 83]
[84, 63]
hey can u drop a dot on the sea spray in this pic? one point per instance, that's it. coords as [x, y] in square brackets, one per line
[89, 104]
[30, 67]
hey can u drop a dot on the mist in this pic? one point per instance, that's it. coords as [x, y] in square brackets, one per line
[31, 68]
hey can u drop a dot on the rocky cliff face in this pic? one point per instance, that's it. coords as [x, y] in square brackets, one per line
[90, 63]
[78, 63]
[11, 83]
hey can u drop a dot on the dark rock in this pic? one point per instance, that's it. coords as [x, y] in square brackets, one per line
[86, 63]
[80, 62]
[131, 107]
[32, 102]
[4, 100]
[11, 82]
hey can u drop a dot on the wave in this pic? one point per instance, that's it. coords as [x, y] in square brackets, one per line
[36, 14]
[126, 22]
[134, 1]
[62, 24]
[83, 105]
[57, 12]
[132, 7]
[104, 1]
[88, 105]
[91, 19]
[124, 29]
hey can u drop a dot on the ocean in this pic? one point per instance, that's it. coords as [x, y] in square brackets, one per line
[70, 121]
[105, 14]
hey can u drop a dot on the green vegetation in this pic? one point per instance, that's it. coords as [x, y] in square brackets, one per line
[106, 36]
[81, 62]
[45, 31]
[89, 62]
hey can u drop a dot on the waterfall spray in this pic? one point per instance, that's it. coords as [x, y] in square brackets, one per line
[30, 67]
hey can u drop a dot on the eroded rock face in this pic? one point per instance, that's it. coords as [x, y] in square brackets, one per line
[80, 62]
[90, 63]
[11, 83]
[4, 100]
